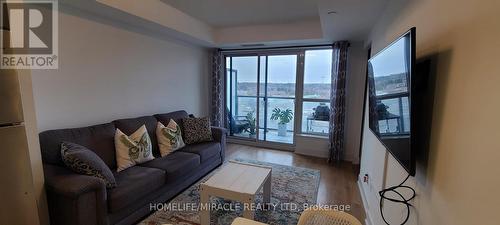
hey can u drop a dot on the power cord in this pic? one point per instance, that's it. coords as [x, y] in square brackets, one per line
[403, 200]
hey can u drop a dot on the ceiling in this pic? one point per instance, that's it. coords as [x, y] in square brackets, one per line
[242, 23]
[228, 13]
[353, 20]
[350, 20]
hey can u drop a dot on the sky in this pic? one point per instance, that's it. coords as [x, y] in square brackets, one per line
[282, 68]
[390, 61]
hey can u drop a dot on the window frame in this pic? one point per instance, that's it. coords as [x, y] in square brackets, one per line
[302, 109]
[299, 82]
[301, 99]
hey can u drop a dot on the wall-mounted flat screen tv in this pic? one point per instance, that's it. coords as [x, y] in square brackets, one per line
[390, 93]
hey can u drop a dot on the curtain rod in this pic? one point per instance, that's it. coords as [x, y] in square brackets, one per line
[271, 48]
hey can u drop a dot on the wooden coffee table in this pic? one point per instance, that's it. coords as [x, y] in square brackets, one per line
[236, 181]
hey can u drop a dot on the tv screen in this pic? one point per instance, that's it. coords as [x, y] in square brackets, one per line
[389, 75]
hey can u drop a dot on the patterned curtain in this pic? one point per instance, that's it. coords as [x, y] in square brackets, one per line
[337, 101]
[217, 106]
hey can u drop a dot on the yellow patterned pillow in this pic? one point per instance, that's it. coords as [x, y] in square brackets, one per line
[133, 149]
[169, 137]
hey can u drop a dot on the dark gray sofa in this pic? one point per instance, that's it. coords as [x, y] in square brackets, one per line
[84, 200]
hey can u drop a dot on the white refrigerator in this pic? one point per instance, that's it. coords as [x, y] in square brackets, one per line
[18, 205]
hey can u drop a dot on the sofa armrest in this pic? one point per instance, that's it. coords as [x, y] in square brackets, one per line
[219, 135]
[74, 198]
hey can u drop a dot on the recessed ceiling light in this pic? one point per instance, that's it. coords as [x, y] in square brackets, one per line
[332, 12]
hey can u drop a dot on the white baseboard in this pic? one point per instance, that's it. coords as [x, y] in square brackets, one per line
[368, 220]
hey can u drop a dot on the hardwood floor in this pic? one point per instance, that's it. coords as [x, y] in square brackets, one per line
[337, 185]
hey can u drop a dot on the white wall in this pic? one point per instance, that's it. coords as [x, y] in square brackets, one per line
[312, 146]
[355, 86]
[292, 33]
[110, 71]
[458, 184]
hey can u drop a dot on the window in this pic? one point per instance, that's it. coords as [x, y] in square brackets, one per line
[271, 97]
[316, 94]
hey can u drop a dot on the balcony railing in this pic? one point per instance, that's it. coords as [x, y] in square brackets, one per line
[397, 120]
[242, 107]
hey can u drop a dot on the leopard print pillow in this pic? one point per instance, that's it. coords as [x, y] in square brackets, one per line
[196, 130]
[84, 161]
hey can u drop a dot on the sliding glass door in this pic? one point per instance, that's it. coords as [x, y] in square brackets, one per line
[277, 98]
[261, 96]
[241, 99]
[273, 96]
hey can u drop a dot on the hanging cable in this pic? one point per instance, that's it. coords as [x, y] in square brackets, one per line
[403, 200]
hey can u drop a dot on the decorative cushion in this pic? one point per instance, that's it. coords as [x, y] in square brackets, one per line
[84, 161]
[130, 125]
[133, 149]
[196, 130]
[169, 137]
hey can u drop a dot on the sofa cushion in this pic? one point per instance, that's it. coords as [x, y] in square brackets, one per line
[86, 162]
[133, 184]
[98, 138]
[177, 116]
[129, 126]
[205, 150]
[176, 164]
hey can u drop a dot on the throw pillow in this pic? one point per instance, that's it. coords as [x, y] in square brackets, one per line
[133, 149]
[196, 130]
[169, 137]
[86, 162]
